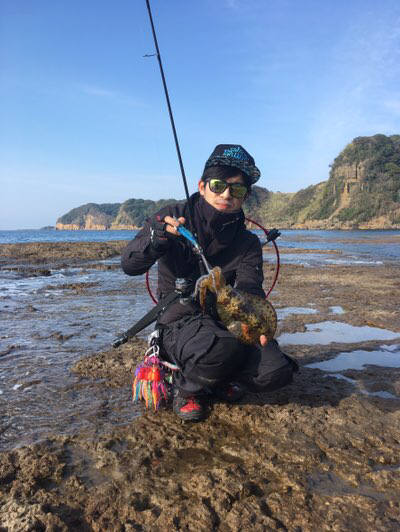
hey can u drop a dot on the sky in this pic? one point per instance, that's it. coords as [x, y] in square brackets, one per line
[83, 116]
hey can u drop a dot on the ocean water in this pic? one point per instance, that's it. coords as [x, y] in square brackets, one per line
[356, 245]
[37, 235]
[350, 247]
[45, 327]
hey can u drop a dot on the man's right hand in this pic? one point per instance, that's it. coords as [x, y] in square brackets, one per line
[172, 223]
[263, 340]
[163, 230]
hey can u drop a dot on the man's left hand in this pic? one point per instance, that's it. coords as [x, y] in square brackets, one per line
[263, 340]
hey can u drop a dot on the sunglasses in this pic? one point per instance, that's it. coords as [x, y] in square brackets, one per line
[218, 186]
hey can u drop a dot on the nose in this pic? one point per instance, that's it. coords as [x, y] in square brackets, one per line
[226, 193]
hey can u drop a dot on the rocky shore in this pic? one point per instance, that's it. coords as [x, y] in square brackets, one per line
[320, 454]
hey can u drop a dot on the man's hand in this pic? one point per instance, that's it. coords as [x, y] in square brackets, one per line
[172, 223]
[263, 340]
[163, 230]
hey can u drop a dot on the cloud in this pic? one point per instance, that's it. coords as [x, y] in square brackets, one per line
[110, 95]
[251, 8]
[99, 91]
[256, 5]
[359, 95]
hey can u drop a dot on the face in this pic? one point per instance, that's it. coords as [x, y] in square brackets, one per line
[223, 202]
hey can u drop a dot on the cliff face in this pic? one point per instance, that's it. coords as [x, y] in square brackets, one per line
[363, 191]
[363, 187]
[89, 216]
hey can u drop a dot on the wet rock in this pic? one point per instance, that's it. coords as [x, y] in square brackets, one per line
[57, 335]
[114, 365]
[316, 455]
[23, 515]
[28, 271]
[7, 350]
[276, 461]
[51, 251]
[105, 267]
[78, 288]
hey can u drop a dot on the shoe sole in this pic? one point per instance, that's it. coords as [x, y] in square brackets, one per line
[190, 416]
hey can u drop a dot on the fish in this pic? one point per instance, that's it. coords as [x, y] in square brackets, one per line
[246, 316]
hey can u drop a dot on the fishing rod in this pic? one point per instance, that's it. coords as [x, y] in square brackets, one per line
[151, 316]
[171, 116]
[191, 236]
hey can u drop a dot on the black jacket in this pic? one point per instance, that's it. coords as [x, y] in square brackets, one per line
[224, 239]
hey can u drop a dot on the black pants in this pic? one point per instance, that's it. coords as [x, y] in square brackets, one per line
[208, 354]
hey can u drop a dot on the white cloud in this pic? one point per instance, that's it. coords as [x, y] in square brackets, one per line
[111, 95]
[98, 91]
[360, 95]
[254, 7]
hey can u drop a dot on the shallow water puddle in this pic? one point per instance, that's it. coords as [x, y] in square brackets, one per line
[331, 484]
[394, 347]
[336, 310]
[188, 461]
[327, 332]
[388, 356]
[287, 311]
[381, 393]
[358, 359]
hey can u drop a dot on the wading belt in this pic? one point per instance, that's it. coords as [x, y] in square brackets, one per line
[147, 319]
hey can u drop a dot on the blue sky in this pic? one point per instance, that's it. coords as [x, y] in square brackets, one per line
[84, 118]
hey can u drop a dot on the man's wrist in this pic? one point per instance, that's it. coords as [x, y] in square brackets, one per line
[158, 242]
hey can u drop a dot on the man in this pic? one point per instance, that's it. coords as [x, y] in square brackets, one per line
[209, 357]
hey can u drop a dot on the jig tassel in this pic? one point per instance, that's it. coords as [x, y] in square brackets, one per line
[137, 391]
[154, 395]
[134, 386]
[151, 381]
[149, 396]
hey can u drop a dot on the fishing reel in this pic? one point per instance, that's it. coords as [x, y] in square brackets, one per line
[183, 287]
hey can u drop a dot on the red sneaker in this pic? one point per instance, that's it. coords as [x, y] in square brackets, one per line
[229, 392]
[187, 408]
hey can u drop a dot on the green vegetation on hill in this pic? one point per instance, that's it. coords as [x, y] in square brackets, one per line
[136, 211]
[328, 200]
[272, 211]
[102, 212]
[368, 170]
[378, 150]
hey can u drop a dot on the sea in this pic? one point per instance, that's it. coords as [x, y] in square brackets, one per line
[46, 327]
[352, 247]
